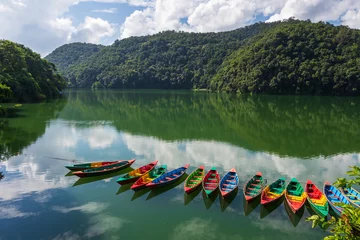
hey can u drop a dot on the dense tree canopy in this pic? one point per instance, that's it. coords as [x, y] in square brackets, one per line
[289, 57]
[296, 57]
[165, 60]
[24, 76]
[72, 54]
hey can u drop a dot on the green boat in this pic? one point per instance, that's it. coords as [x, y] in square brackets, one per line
[104, 170]
[194, 180]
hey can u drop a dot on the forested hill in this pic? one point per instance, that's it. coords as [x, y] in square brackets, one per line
[289, 57]
[24, 76]
[72, 54]
[166, 60]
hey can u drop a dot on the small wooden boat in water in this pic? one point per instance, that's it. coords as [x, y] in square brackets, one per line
[334, 196]
[352, 195]
[136, 173]
[316, 199]
[104, 170]
[194, 180]
[295, 195]
[254, 187]
[148, 177]
[211, 181]
[83, 166]
[273, 192]
[229, 183]
[168, 177]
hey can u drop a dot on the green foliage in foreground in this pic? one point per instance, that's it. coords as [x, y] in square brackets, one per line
[296, 58]
[348, 226]
[24, 76]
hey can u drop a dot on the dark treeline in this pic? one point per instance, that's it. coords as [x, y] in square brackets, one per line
[25, 76]
[289, 57]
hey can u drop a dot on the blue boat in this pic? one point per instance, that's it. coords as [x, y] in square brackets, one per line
[168, 177]
[334, 196]
[352, 195]
[229, 183]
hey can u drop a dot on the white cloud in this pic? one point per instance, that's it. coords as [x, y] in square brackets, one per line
[102, 224]
[226, 156]
[93, 30]
[220, 15]
[352, 18]
[7, 212]
[109, 10]
[43, 26]
[91, 207]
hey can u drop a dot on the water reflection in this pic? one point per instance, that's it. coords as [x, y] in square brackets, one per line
[86, 180]
[209, 200]
[225, 202]
[251, 134]
[189, 197]
[265, 210]
[294, 217]
[250, 206]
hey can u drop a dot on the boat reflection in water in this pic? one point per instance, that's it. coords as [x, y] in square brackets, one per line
[85, 180]
[267, 209]
[294, 217]
[209, 200]
[225, 202]
[140, 193]
[189, 197]
[250, 206]
[160, 190]
[124, 188]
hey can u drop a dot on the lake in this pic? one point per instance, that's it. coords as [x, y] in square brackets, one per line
[305, 137]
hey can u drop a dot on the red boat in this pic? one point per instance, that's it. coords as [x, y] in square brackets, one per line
[211, 181]
[136, 173]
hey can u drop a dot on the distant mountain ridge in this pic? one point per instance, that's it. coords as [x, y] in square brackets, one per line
[289, 57]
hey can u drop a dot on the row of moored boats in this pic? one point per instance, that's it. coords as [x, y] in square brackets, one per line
[150, 176]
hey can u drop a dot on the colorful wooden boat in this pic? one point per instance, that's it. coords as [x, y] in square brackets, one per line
[194, 180]
[316, 199]
[136, 173]
[273, 192]
[148, 177]
[229, 183]
[254, 187]
[168, 177]
[83, 166]
[295, 195]
[211, 181]
[352, 195]
[104, 170]
[334, 196]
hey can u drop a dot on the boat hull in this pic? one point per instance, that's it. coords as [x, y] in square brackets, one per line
[316, 199]
[90, 165]
[159, 182]
[295, 195]
[229, 183]
[333, 195]
[211, 182]
[255, 186]
[101, 172]
[191, 189]
[273, 192]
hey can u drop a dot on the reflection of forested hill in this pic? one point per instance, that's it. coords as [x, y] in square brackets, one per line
[284, 125]
[19, 132]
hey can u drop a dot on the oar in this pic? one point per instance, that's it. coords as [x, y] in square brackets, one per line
[55, 158]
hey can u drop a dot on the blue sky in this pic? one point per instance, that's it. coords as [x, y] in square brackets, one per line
[44, 25]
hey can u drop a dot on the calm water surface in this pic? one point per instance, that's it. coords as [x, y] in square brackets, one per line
[302, 137]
